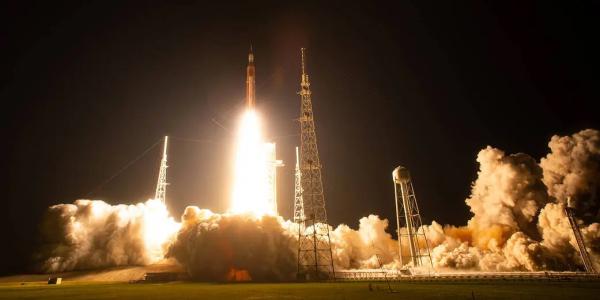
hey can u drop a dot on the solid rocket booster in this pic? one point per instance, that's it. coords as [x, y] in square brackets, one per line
[250, 81]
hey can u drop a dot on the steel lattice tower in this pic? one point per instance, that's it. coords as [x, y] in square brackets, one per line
[407, 211]
[315, 258]
[161, 186]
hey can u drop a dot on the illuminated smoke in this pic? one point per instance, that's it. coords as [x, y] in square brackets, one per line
[366, 247]
[506, 197]
[93, 234]
[573, 169]
[519, 224]
[211, 246]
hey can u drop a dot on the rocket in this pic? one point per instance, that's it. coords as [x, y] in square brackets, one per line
[250, 81]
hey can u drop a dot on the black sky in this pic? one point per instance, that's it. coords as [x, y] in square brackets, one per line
[87, 86]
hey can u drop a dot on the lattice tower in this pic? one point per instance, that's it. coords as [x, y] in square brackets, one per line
[315, 258]
[161, 186]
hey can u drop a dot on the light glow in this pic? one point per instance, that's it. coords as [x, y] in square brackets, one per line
[158, 228]
[252, 187]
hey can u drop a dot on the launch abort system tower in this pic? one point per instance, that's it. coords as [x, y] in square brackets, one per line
[407, 215]
[315, 259]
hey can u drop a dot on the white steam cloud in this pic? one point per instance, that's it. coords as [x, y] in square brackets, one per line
[573, 169]
[93, 234]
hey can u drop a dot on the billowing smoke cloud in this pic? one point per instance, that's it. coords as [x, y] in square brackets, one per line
[365, 248]
[572, 169]
[518, 219]
[93, 234]
[505, 198]
[214, 246]
[518, 224]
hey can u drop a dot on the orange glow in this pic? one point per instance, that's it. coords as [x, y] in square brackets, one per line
[238, 275]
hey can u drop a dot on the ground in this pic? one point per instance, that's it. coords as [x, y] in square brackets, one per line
[344, 290]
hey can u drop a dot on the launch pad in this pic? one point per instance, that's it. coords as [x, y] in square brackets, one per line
[442, 289]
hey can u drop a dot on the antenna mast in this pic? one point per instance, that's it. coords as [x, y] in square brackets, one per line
[315, 258]
[161, 186]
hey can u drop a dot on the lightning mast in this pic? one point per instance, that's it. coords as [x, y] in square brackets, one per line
[161, 186]
[315, 258]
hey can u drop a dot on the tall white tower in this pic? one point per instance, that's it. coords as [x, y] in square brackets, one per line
[161, 186]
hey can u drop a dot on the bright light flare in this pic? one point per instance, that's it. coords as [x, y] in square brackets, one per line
[251, 185]
[159, 228]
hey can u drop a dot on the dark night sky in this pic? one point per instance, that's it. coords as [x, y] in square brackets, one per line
[87, 87]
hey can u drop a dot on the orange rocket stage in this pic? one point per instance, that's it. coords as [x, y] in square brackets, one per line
[250, 81]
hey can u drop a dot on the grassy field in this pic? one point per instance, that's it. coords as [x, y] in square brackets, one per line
[349, 290]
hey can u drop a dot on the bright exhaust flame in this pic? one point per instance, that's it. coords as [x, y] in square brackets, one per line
[158, 228]
[251, 186]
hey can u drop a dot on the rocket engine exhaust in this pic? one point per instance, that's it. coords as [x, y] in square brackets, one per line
[253, 190]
